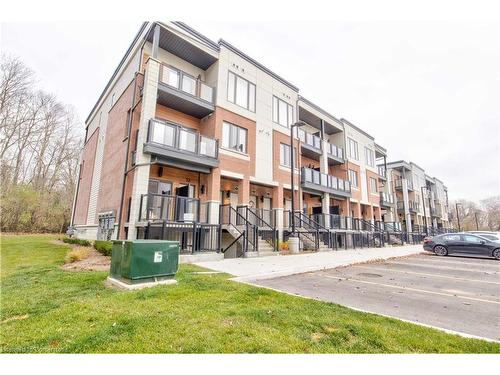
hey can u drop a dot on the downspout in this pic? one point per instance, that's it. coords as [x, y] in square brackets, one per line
[125, 168]
[76, 194]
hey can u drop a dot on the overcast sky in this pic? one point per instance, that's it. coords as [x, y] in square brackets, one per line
[429, 92]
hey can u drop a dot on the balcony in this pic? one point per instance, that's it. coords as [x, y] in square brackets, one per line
[185, 93]
[181, 147]
[382, 172]
[314, 181]
[170, 208]
[435, 212]
[335, 154]
[398, 184]
[310, 144]
[413, 206]
[386, 200]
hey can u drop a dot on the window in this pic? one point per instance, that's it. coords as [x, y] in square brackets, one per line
[452, 237]
[234, 137]
[352, 148]
[353, 178]
[282, 112]
[127, 125]
[285, 155]
[369, 157]
[373, 185]
[241, 92]
[472, 239]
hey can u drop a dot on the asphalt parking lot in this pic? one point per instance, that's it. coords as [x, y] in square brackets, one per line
[454, 293]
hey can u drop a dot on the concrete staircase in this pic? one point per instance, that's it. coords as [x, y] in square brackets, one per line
[264, 248]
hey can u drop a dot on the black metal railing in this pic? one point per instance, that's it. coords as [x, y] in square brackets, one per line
[192, 237]
[398, 184]
[246, 232]
[266, 230]
[322, 179]
[412, 206]
[173, 136]
[335, 151]
[169, 208]
[310, 139]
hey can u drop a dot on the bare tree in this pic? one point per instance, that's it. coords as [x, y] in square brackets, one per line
[40, 144]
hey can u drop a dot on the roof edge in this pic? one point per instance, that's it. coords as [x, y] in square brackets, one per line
[122, 61]
[318, 108]
[243, 55]
[358, 129]
[196, 34]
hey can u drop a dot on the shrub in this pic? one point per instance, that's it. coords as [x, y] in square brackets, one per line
[76, 254]
[104, 247]
[283, 245]
[76, 241]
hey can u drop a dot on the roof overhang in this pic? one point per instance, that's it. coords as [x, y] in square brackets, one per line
[186, 43]
[313, 115]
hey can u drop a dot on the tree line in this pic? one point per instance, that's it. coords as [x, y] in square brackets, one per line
[40, 143]
[473, 216]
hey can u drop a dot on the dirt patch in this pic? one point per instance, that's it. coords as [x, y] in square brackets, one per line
[94, 262]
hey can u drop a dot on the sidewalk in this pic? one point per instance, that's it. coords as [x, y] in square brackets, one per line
[249, 269]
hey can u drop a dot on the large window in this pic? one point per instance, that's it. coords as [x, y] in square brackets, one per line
[369, 158]
[241, 92]
[234, 137]
[373, 185]
[285, 155]
[282, 112]
[352, 148]
[353, 178]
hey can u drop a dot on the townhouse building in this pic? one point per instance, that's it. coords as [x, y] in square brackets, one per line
[421, 200]
[191, 140]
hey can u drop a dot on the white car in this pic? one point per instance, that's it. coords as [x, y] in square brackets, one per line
[492, 236]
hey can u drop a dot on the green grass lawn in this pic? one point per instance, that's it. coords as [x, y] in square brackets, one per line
[46, 309]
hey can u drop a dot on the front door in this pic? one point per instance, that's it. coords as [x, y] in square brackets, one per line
[186, 205]
[474, 245]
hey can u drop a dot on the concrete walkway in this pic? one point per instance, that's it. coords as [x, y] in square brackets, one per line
[250, 269]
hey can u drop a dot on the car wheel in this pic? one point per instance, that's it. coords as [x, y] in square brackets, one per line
[440, 250]
[496, 254]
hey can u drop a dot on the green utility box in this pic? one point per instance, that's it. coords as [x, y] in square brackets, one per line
[141, 261]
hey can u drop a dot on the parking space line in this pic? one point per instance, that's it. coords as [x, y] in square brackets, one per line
[440, 267]
[453, 260]
[428, 274]
[411, 289]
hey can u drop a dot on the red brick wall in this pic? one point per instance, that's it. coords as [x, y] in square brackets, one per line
[113, 162]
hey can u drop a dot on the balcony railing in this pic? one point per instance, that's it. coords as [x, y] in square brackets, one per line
[176, 137]
[325, 180]
[398, 184]
[412, 206]
[335, 151]
[170, 208]
[186, 83]
[382, 171]
[386, 198]
[309, 139]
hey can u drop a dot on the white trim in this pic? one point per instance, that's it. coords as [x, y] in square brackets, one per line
[287, 169]
[235, 154]
[263, 182]
[289, 187]
[238, 176]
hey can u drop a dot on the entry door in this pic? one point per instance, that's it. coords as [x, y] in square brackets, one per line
[267, 205]
[233, 201]
[473, 245]
[185, 207]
